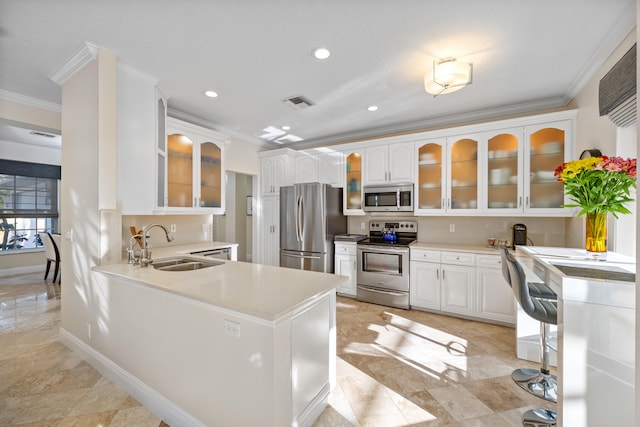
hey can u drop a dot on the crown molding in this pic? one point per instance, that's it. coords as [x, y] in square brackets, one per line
[88, 53]
[135, 72]
[614, 38]
[27, 100]
[424, 125]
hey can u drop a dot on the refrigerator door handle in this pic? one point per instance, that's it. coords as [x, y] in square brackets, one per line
[301, 256]
[299, 218]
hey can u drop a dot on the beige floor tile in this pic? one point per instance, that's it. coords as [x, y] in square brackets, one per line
[138, 416]
[460, 403]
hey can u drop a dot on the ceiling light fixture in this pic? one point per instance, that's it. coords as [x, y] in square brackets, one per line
[285, 127]
[449, 75]
[211, 94]
[321, 53]
[372, 108]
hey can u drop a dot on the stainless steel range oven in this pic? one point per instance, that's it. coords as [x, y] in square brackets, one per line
[383, 263]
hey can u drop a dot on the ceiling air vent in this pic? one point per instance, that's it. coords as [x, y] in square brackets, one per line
[617, 91]
[298, 102]
[43, 134]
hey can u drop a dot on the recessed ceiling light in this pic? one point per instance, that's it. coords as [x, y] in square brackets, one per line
[321, 53]
[285, 127]
[211, 94]
[372, 108]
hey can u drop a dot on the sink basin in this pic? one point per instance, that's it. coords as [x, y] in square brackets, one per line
[183, 264]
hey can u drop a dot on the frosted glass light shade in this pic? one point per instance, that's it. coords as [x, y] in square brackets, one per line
[449, 75]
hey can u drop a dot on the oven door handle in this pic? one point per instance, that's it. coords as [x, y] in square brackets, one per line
[383, 249]
[379, 291]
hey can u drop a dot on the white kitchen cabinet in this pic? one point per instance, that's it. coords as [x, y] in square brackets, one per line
[307, 166]
[431, 176]
[464, 175]
[503, 169]
[461, 283]
[345, 264]
[494, 296]
[277, 169]
[270, 230]
[387, 164]
[547, 146]
[330, 168]
[140, 119]
[457, 289]
[194, 169]
[425, 276]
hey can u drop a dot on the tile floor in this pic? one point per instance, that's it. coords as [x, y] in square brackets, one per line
[394, 368]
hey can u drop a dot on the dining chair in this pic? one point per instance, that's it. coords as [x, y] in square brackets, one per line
[53, 255]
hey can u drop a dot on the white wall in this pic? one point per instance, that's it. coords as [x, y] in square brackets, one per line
[30, 153]
[594, 131]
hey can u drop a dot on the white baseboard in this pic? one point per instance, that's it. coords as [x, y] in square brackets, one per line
[165, 409]
[14, 271]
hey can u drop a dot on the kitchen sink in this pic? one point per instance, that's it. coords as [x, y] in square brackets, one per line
[183, 264]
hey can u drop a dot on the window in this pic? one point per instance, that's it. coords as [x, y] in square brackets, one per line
[28, 203]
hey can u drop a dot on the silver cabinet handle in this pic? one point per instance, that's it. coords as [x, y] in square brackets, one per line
[520, 201]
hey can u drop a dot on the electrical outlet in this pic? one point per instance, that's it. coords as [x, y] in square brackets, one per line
[172, 228]
[231, 328]
[88, 330]
[362, 226]
[452, 228]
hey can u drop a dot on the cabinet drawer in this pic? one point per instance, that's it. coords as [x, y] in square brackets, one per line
[425, 255]
[458, 258]
[490, 261]
[346, 248]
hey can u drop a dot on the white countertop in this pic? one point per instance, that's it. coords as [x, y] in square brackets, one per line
[261, 291]
[587, 280]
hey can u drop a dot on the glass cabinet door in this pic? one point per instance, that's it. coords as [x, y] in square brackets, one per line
[430, 176]
[179, 170]
[503, 172]
[546, 151]
[210, 175]
[353, 183]
[463, 177]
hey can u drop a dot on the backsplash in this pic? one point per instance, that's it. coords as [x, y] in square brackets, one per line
[474, 230]
[189, 228]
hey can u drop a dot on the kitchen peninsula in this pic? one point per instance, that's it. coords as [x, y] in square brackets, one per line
[596, 333]
[232, 344]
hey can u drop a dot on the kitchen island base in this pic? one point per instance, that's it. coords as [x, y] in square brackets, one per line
[192, 363]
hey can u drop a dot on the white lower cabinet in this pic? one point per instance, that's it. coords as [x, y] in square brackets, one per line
[495, 300]
[270, 225]
[345, 265]
[461, 283]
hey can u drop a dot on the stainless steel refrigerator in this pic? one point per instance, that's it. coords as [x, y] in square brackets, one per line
[310, 215]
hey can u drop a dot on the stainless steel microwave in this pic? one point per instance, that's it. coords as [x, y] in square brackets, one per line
[388, 198]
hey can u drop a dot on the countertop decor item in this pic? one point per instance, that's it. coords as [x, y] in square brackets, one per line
[598, 186]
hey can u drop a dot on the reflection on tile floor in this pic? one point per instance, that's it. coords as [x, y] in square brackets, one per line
[394, 368]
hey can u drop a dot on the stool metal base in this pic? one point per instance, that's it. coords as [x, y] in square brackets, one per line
[539, 418]
[536, 383]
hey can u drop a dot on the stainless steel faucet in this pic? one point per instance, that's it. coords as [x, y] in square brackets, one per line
[145, 251]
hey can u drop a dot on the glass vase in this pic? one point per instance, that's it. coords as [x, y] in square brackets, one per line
[596, 241]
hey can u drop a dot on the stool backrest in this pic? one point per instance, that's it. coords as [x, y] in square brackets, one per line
[504, 254]
[518, 281]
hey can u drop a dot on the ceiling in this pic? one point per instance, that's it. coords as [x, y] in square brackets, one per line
[526, 56]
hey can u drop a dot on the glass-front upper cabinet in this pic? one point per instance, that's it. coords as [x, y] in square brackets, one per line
[194, 169]
[463, 174]
[546, 148]
[430, 194]
[179, 171]
[504, 183]
[353, 161]
[210, 175]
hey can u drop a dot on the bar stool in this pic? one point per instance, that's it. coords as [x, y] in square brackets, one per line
[538, 382]
[536, 289]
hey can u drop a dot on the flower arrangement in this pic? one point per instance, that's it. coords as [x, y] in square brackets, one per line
[599, 185]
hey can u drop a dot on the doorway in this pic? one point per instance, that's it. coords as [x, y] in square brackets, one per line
[237, 225]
